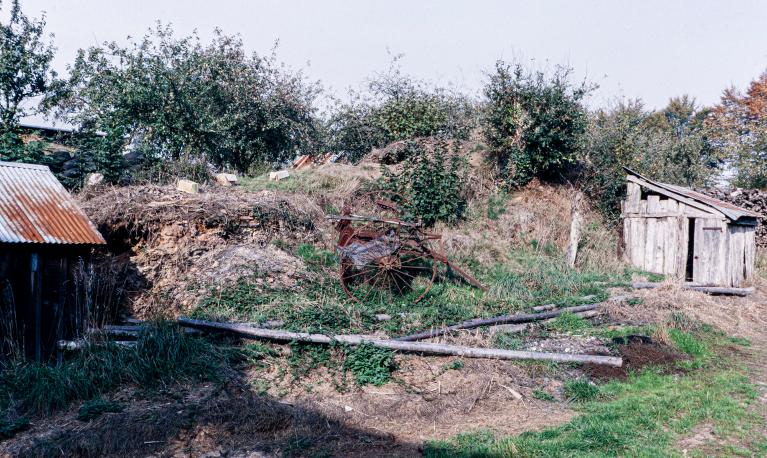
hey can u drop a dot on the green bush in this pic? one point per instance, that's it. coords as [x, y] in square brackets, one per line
[369, 364]
[398, 107]
[534, 124]
[543, 396]
[433, 182]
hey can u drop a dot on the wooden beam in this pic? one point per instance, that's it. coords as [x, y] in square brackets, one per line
[713, 290]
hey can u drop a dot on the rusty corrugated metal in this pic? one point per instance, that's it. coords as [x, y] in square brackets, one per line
[35, 208]
[729, 210]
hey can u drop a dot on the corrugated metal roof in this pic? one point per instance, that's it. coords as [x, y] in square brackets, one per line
[35, 208]
[729, 210]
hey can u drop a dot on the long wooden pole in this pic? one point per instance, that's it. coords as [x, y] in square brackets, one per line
[417, 347]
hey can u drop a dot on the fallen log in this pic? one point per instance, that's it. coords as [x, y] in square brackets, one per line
[503, 319]
[416, 347]
[512, 328]
[713, 290]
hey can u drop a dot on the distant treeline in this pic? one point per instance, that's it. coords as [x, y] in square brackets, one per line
[179, 105]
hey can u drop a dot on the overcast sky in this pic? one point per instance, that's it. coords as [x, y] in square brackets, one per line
[634, 49]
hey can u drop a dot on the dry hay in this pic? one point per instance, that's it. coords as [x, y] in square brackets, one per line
[431, 401]
[746, 317]
[180, 244]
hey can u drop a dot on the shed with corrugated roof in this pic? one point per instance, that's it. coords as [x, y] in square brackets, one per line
[687, 235]
[46, 242]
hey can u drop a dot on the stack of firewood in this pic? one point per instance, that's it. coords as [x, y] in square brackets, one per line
[750, 199]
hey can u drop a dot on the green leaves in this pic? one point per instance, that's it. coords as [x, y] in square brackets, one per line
[179, 99]
[432, 181]
[533, 123]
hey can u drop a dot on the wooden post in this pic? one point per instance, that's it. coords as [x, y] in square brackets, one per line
[575, 230]
[35, 296]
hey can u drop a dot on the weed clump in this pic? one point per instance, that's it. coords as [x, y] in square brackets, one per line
[370, 365]
[580, 390]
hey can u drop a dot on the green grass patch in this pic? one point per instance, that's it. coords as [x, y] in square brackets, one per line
[643, 416]
[9, 428]
[90, 410]
[580, 390]
[568, 323]
[543, 396]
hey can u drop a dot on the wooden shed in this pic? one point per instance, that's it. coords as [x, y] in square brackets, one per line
[684, 234]
[45, 244]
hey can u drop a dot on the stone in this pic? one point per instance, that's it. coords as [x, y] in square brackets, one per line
[226, 179]
[277, 176]
[188, 186]
[94, 179]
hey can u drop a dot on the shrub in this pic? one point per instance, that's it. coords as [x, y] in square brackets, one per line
[369, 364]
[434, 183]
[533, 123]
[543, 396]
[395, 107]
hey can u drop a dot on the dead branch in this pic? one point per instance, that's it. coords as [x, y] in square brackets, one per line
[419, 347]
[504, 319]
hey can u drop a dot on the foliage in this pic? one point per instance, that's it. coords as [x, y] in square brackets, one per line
[507, 341]
[163, 354]
[369, 364]
[180, 99]
[305, 357]
[94, 408]
[669, 145]
[580, 390]
[738, 127]
[688, 343]
[25, 67]
[433, 182]
[397, 107]
[533, 123]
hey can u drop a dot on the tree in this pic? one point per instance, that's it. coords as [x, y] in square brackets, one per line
[669, 145]
[738, 129]
[182, 100]
[25, 67]
[533, 123]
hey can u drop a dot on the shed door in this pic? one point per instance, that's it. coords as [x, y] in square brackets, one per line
[709, 252]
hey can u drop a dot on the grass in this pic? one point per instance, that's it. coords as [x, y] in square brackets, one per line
[643, 416]
[320, 305]
[162, 355]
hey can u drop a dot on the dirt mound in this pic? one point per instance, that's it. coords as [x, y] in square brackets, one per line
[637, 352]
[182, 244]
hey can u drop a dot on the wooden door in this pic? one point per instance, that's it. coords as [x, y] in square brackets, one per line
[709, 265]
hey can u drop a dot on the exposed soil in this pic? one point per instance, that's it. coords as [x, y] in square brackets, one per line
[638, 352]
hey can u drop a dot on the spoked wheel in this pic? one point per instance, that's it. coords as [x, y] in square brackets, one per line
[384, 255]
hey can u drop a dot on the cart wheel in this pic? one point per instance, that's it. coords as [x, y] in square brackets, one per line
[397, 263]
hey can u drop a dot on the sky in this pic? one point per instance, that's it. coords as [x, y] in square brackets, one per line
[651, 50]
